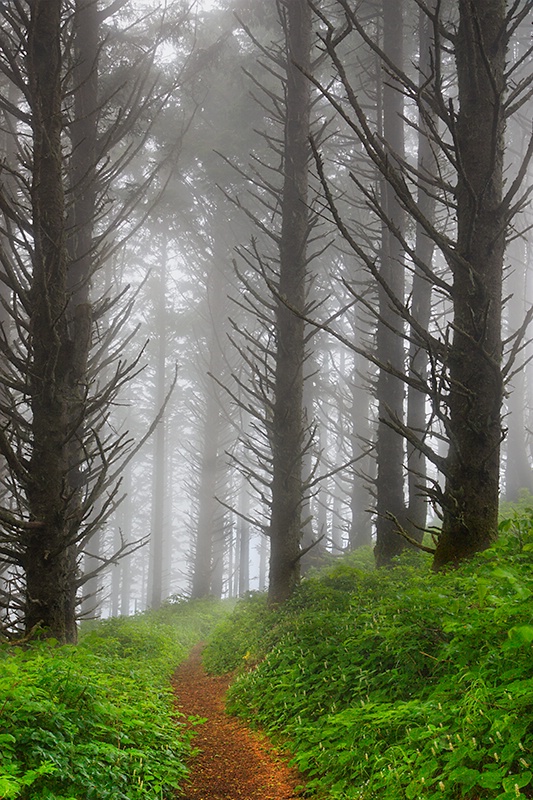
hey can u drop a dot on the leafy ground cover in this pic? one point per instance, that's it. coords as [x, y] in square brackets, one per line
[397, 684]
[97, 721]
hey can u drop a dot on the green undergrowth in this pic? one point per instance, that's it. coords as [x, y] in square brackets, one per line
[399, 683]
[96, 721]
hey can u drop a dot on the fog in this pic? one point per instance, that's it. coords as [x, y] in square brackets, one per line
[304, 243]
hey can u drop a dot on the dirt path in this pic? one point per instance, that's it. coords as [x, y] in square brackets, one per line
[234, 763]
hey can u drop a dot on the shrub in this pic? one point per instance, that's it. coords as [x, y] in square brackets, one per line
[238, 640]
[403, 683]
[97, 721]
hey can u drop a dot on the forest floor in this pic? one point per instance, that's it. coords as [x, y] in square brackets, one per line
[233, 762]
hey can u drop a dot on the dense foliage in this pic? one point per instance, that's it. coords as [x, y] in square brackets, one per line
[96, 721]
[397, 684]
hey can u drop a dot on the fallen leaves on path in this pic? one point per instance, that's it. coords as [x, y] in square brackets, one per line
[234, 763]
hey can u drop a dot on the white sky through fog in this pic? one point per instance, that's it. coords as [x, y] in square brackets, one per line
[193, 5]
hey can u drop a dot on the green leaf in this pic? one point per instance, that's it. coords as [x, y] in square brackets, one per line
[482, 590]
[520, 636]
[465, 776]
[9, 788]
[491, 779]
[521, 780]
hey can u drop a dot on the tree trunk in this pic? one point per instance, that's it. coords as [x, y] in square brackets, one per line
[203, 552]
[263, 559]
[221, 543]
[126, 564]
[116, 571]
[288, 422]
[244, 539]
[361, 501]
[80, 229]
[390, 390]
[470, 512]
[50, 555]
[9, 189]
[313, 513]
[518, 471]
[421, 306]
[159, 467]
[208, 507]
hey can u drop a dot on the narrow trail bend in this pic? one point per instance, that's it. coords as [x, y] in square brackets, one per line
[234, 763]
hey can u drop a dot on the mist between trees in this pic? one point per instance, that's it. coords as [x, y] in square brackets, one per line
[265, 281]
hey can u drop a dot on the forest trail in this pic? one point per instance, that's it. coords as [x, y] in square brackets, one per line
[234, 763]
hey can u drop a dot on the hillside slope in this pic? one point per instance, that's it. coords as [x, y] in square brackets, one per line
[400, 683]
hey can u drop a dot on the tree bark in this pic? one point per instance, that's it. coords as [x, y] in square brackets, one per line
[80, 229]
[361, 501]
[159, 466]
[288, 422]
[390, 390]
[470, 512]
[518, 471]
[244, 539]
[126, 564]
[203, 552]
[421, 304]
[209, 511]
[50, 555]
